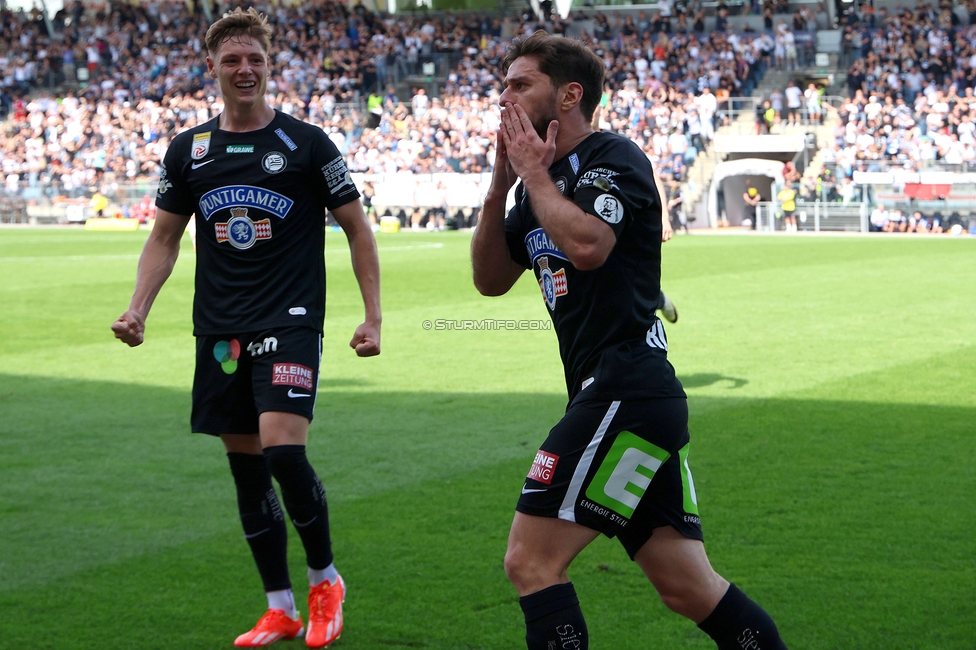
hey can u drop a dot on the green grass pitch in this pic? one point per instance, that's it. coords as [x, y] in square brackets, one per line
[833, 423]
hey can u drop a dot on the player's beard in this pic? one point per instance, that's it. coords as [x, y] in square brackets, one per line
[541, 123]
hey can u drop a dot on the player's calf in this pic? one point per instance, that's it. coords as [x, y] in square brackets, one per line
[304, 498]
[262, 519]
[737, 622]
[553, 619]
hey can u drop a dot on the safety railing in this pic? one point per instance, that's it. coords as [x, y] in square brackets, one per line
[815, 216]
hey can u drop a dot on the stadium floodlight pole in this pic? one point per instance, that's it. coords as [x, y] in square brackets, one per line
[206, 9]
[44, 12]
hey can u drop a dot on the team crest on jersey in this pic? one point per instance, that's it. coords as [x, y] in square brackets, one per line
[561, 184]
[240, 231]
[274, 162]
[201, 145]
[552, 284]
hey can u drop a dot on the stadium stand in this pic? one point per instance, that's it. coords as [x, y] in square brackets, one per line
[92, 99]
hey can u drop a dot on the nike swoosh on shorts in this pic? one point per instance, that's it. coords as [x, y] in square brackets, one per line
[292, 393]
[526, 490]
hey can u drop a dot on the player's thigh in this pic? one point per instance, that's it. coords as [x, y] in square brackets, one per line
[286, 372]
[280, 428]
[223, 399]
[540, 550]
[559, 540]
[242, 443]
[619, 468]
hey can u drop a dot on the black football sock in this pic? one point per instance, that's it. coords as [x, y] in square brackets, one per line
[304, 498]
[553, 619]
[737, 622]
[262, 519]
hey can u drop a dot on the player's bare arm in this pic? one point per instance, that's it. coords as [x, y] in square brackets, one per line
[366, 265]
[585, 239]
[493, 268]
[155, 266]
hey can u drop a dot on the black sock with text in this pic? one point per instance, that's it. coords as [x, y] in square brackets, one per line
[737, 623]
[262, 519]
[554, 620]
[304, 498]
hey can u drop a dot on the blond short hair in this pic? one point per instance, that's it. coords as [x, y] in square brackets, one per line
[238, 24]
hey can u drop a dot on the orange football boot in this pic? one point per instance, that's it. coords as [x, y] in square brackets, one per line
[274, 625]
[325, 613]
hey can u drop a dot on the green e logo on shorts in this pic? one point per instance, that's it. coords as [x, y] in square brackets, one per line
[625, 473]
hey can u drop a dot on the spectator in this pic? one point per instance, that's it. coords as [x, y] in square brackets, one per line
[707, 106]
[812, 96]
[879, 219]
[787, 203]
[419, 102]
[776, 102]
[794, 101]
[918, 223]
[762, 126]
[896, 222]
[751, 198]
[675, 205]
[374, 104]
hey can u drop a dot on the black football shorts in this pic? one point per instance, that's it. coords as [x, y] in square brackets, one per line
[240, 376]
[620, 468]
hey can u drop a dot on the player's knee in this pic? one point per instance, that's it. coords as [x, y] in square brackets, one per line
[526, 572]
[515, 565]
[694, 599]
[676, 599]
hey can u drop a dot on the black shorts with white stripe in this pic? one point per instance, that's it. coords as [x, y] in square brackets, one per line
[239, 376]
[620, 468]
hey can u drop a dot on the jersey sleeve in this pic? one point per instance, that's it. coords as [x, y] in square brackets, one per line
[616, 186]
[335, 187]
[173, 194]
[515, 231]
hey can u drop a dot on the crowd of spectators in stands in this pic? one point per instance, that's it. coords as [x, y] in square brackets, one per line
[896, 221]
[143, 69]
[910, 90]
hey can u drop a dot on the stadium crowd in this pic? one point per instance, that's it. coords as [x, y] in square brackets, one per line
[910, 101]
[143, 69]
[144, 72]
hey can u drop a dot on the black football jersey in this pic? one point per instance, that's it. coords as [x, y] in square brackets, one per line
[260, 199]
[611, 343]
